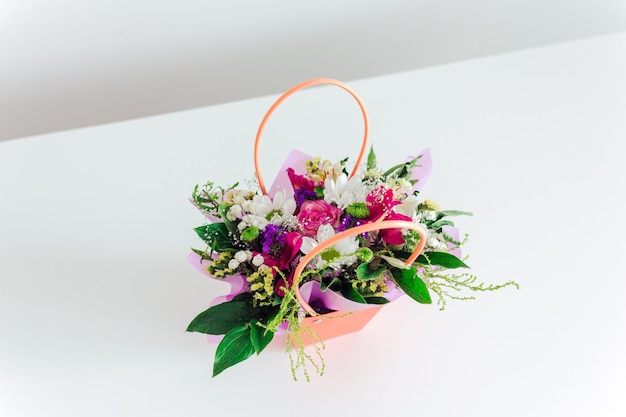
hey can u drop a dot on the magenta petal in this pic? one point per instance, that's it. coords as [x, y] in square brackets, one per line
[295, 160]
[394, 236]
[293, 245]
[422, 171]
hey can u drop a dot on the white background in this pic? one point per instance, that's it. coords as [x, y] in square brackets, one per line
[95, 292]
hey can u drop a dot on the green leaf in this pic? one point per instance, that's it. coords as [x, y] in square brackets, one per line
[450, 239]
[440, 223]
[447, 260]
[235, 347]
[216, 236]
[412, 284]
[331, 282]
[402, 170]
[202, 253]
[444, 213]
[364, 271]
[395, 262]
[221, 318]
[244, 296]
[222, 209]
[376, 300]
[259, 336]
[351, 294]
[371, 159]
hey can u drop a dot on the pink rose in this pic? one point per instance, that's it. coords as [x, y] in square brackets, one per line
[315, 213]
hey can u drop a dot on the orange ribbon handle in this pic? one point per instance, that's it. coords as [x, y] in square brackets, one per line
[369, 227]
[315, 81]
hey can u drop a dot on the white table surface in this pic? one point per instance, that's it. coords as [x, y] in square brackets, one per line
[95, 292]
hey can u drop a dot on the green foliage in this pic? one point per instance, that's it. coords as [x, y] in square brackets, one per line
[450, 239]
[259, 336]
[352, 294]
[445, 213]
[452, 286]
[371, 159]
[221, 318]
[298, 356]
[443, 259]
[289, 311]
[412, 284]
[216, 235]
[332, 283]
[369, 271]
[203, 254]
[376, 300]
[208, 197]
[222, 210]
[403, 170]
[242, 326]
[436, 225]
[235, 347]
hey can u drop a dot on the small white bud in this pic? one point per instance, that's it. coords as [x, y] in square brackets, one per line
[429, 215]
[241, 256]
[258, 260]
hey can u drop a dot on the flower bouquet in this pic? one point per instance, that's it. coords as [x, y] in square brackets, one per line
[320, 252]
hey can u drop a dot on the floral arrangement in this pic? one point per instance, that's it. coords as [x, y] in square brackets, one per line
[255, 241]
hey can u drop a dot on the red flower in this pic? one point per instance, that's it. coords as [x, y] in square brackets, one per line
[281, 284]
[394, 236]
[299, 182]
[283, 260]
[380, 201]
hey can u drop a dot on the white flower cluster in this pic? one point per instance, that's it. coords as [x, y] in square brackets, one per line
[344, 191]
[346, 247]
[260, 210]
[435, 241]
[239, 258]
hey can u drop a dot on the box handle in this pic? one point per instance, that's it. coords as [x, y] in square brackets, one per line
[315, 81]
[369, 227]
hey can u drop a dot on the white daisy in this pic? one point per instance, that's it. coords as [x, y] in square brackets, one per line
[344, 191]
[264, 210]
[345, 247]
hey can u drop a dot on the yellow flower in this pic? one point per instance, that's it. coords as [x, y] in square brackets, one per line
[430, 204]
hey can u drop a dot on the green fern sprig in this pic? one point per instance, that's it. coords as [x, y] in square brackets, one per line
[289, 311]
[450, 286]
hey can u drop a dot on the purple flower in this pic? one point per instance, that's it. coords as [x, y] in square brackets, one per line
[302, 194]
[272, 238]
[349, 221]
[345, 223]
